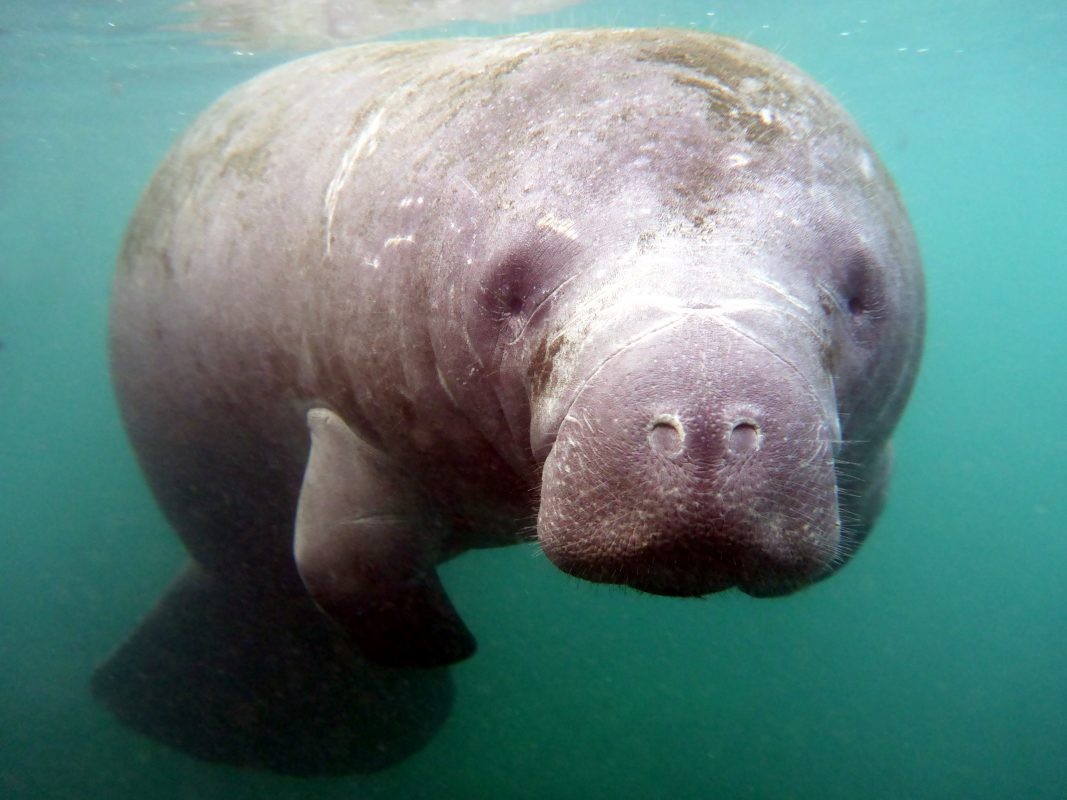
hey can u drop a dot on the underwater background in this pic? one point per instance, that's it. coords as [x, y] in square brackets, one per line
[934, 666]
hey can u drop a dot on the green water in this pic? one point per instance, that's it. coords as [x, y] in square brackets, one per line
[933, 667]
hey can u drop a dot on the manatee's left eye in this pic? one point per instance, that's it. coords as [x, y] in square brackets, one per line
[862, 291]
[854, 301]
[519, 284]
[508, 286]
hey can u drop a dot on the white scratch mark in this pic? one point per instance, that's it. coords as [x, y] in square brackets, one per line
[393, 241]
[444, 384]
[469, 185]
[782, 292]
[364, 145]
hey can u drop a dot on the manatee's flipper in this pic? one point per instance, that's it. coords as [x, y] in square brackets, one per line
[364, 556]
[266, 682]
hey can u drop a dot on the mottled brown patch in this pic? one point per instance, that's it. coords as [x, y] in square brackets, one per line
[699, 197]
[459, 88]
[720, 98]
[728, 106]
[715, 57]
[144, 251]
[645, 241]
[248, 162]
[828, 356]
[540, 371]
[508, 66]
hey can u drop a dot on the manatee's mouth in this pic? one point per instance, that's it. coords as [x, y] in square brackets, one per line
[703, 563]
[675, 585]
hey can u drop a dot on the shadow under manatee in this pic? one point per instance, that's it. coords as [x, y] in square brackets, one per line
[266, 682]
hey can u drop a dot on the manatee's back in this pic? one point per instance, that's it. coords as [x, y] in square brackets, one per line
[235, 663]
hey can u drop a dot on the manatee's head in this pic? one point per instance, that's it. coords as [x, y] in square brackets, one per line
[718, 419]
[696, 291]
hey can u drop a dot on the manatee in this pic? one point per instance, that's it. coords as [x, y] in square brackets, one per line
[647, 297]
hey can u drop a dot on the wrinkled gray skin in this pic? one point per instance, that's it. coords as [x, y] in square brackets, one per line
[651, 289]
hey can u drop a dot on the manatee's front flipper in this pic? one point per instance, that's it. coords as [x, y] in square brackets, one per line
[364, 556]
[228, 673]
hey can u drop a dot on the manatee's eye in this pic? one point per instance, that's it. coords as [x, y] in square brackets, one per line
[515, 303]
[862, 292]
[514, 289]
[518, 285]
[506, 291]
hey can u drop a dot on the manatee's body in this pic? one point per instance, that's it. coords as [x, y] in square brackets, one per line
[659, 275]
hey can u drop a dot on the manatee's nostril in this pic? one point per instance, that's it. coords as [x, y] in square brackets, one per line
[666, 434]
[745, 436]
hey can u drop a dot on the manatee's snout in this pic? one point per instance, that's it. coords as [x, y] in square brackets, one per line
[693, 461]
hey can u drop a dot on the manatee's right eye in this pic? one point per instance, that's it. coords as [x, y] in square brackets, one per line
[857, 304]
[859, 287]
[861, 292]
[854, 301]
[505, 293]
[521, 282]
